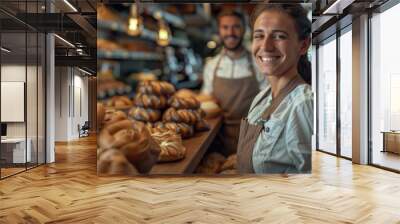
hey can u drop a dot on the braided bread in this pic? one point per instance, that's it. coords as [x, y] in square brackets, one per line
[201, 124]
[171, 145]
[183, 93]
[133, 140]
[201, 112]
[148, 125]
[150, 101]
[184, 103]
[145, 115]
[113, 162]
[112, 116]
[156, 87]
[119, 102]
[180, 116]
[186, 131]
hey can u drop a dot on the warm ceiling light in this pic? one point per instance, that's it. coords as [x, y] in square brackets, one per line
[64, 40]
[164, 35]
[135, 24]
[5, 49]
[70, 5]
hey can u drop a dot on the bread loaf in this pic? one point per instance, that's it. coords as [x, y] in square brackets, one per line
[211, 109]
[145, 114]
[180, 116]
[159, 88]
[119, 102]
[185, 130]
[113, 162]
[148, 125]
[171, 145]
[205, 97]
[150, 101]
[201, 125]
[133, 140]
[184, 93]
[112, 116]
[184, 103]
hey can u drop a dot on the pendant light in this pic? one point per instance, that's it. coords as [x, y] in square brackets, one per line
[135, 23]
[164, 33]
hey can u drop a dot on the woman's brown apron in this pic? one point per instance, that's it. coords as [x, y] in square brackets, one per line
[235, 97]
[249, 133]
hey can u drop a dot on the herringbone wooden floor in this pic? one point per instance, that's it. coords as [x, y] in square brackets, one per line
[70, 192]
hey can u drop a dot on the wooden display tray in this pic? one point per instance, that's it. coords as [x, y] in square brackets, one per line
[196, 147]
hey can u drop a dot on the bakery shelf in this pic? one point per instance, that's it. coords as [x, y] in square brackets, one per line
[170, 18]
[128, 55]
[148, 34]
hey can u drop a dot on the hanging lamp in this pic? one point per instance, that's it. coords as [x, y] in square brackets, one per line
[135, 23]
[164, 33]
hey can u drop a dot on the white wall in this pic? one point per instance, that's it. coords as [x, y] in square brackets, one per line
[61, 103]
[71, 93]
[12, 73]
[33, 127]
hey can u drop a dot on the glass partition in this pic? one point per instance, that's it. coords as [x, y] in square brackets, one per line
[385, 89]
[327, 96]
[346, 93]
[22, 88]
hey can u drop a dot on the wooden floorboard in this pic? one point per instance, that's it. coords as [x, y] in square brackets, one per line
[69, 191]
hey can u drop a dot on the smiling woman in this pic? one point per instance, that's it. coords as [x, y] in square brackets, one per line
[276, 135]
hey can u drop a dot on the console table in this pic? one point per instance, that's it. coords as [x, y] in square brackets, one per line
[391, 141]
[13, 150]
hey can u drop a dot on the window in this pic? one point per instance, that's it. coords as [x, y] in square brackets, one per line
[385, 87]
[346, 75]
[327, 96]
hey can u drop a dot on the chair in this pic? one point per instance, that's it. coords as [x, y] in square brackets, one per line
[84, 130]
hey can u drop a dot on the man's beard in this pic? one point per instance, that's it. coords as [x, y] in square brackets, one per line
[236, 47]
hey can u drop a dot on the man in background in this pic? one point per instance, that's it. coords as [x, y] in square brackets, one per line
[232, 79]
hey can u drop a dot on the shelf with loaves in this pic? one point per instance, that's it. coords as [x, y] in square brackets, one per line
[160, 106]
[108, 87]
[167, 115]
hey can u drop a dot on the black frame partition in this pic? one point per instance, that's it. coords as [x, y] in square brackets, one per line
[337, 34]
[33, 59]
[318, 82]
[341, 32]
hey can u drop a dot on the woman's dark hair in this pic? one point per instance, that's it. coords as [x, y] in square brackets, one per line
[303, 28]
